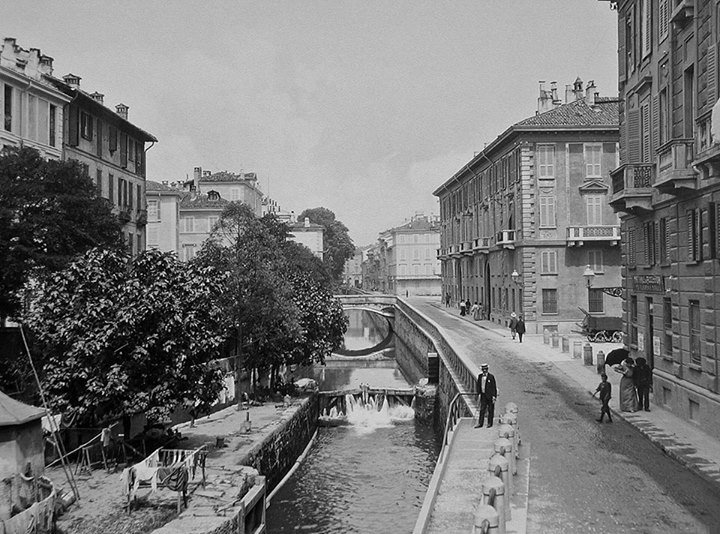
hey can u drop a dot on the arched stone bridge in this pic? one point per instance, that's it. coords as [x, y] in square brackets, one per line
[383, 305]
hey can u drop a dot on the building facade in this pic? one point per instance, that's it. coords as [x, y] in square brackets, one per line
[667, 193]
[309, 234]
[524, 218]
[163, 216]
[32, 106]
[353, 271]
[409, 264]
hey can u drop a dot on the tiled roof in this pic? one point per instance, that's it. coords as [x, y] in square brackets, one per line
[202, 202]
[157, 186]
[605, 112]
[416, 225]
[14, 412]
[225, 176]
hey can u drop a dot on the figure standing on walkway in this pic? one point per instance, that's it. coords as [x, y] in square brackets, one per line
[475, 311]
[513, 324]
[628, 398]
[462, 307]
[487, 393]
[643, 383]
[520, 328]
[605, 390]
[447, 300]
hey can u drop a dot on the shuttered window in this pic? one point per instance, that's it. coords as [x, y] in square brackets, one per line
[548, 262]
[667, 326]
[695, 355]
[546, 161]
[633, 320]
[593, 159]
[645, 132]
[595, 261]
[631, 249]
[549, 301]
[596, 300]
[711, 59]
[693, 235]
[633, 128]
[74, 126]
[547, 211]
[594, 208]
[645, 27]
[663, 242]
[649, 236]
[663, 19]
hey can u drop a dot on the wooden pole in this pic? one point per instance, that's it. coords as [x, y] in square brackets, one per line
[53, 426]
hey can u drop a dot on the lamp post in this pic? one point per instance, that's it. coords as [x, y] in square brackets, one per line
[517, 280]
[515, 276]
[589, 275]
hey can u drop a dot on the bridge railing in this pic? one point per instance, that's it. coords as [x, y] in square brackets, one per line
[456, 410]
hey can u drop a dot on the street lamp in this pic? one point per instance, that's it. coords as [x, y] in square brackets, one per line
[589, 275]
[515, 276]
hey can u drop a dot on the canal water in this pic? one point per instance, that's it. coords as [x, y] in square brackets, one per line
[368, 476]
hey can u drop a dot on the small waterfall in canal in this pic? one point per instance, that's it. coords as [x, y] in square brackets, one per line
[365, 413]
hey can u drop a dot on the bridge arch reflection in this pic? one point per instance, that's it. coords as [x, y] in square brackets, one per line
[370, 330]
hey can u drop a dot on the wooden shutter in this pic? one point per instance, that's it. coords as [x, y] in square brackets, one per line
[112, 139]
[655, 142]
[711, 59]
[691, 237]
[622, 55]
[633, 134]
[663, 19]
[645, 131]
[99, 138]
[74, 126]
[123, 149]
[631, 260]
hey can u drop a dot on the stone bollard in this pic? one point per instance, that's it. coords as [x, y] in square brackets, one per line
[600, 362]
[565, 344]
[494, 486]
[555, 339]
[577, 350]
[587, 354]
[504, 446]
[487, 520]
[508, 432]
[511, 407]
[546, 336]
[511, 419]
[499, 463]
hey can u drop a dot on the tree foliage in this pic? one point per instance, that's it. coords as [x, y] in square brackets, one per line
[276, 301]
[49, 213]
[122, 336]
[337, 243]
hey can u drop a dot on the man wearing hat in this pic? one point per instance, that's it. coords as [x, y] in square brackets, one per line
[487, 391]
[513, 324]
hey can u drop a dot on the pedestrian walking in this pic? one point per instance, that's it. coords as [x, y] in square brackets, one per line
[520, 328]
[468, 305]
[513, 324]
[475, 311]
[643, 383]
[447, 300]
[462, 307]
[605, 390]
[487, 393]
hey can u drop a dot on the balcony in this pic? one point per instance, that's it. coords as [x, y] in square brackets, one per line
[454, 251]
[632, 187]
[124, 215]
[675, 172]
[466, 248]
[505, 239]
[482, 244]
[682, 11]
[577, 236]
[141, 219]
[442, 254]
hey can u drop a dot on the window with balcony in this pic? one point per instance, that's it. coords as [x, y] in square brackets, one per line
[596, 302]
[695, 354]
[549, 301]
[667, 327]
[594, 208]
[548, 262]
[595, 261]
[593, 159]
[545, 161]
[547, 211]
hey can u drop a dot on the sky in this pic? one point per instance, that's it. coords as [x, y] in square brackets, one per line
[363, 107]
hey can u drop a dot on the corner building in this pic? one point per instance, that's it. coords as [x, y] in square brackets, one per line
[522, 220]
[667, 193]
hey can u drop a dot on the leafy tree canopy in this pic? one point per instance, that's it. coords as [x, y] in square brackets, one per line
[337, 243]
[122, 336]
[49, 213]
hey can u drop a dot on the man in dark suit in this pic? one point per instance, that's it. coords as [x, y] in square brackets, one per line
[487, 391]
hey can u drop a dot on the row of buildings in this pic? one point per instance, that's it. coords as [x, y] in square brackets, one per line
[62, 121]
[403, 261]
[610, 205]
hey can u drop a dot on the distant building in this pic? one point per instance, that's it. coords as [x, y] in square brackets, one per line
[309, 234]
[353, 270]
[163, 216]
[526, 216]
[241, 187]
[32, 105]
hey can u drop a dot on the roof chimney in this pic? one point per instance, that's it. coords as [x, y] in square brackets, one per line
[592, 93]
[98, 97]
[569, 95]
[72, 80]
[122, 110]
[544, 100]
[578, 89]
[46, 65]
[553, 90]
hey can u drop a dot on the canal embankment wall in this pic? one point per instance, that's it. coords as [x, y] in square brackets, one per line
[417, 338]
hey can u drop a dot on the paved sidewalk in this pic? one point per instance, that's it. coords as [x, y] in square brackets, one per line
[681, 439]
